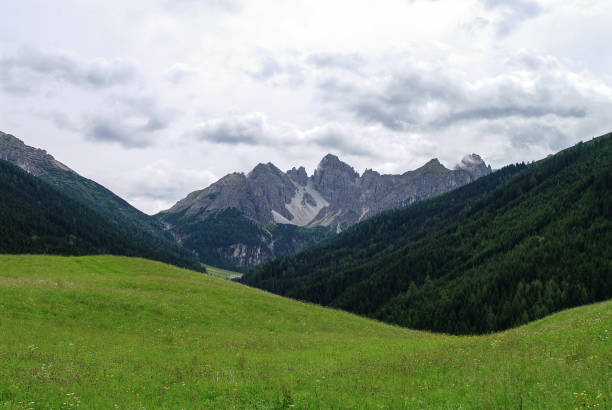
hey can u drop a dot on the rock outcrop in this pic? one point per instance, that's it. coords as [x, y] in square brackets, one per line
[33, 160]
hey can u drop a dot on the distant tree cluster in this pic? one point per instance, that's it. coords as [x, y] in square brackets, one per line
[514, 246]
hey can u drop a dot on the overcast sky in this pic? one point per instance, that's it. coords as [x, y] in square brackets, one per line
[157, 98]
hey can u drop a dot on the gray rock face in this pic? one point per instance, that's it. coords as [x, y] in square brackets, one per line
[33, 160]
[335, 195]
[474, 165]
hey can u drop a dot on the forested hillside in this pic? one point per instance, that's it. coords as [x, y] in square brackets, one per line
[37, 218]
[523, 242]
[95, 197]
[228, 239]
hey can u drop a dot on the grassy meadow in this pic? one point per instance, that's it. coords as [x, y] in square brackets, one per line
[220, 273]
[117, 332]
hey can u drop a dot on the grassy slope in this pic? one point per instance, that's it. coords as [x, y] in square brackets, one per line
[220, 273]
[100, 331]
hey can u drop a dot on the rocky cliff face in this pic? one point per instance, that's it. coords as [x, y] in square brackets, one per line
[335, 197]
[33, 160]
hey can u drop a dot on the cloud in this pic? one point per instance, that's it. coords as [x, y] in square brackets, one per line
[500, 112]
[399, 101]
[291, 68]
[250, 129]
[350, 62]
[190, 5]
[423, 100]
[255, 130]
[511, 13]
[280, 70]
[159, 185]
[527, 135]
[528, 106]
[336, 137]
[29, 68]
[179, 73]
[132, 122]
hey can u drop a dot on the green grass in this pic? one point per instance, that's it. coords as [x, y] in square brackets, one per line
[220, 273]
[103, 331]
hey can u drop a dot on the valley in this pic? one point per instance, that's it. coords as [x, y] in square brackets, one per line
[240, 204]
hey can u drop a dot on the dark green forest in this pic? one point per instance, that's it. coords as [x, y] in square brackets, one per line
[110, 206]
[228, 226]
[511, 247]
[37, 218]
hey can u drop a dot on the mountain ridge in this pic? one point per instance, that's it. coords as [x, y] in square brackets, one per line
[102, 201]
[333, 198]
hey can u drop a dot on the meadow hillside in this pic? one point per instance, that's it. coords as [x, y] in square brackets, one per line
[117, 332]
[509, 248]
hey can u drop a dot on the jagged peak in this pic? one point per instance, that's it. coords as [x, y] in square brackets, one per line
[370, 172]
[331, 161]
[433, 164]
[299, 175]
[262, 168]
[470, 161]
[474, 164]
[330, 157]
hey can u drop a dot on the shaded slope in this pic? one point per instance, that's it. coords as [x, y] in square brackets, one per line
[511, 247]
[37, 218]
[228, 239]
[104, 331]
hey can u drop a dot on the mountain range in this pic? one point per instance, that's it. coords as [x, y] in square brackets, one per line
[279, 213]
[243, 220]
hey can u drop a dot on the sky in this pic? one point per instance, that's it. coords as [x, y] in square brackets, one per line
[157, 98]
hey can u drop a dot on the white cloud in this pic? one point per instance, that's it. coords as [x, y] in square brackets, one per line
[179, 72]
[156, 187]
[28, 69]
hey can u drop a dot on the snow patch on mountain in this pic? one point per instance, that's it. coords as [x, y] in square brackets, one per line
[303, 207]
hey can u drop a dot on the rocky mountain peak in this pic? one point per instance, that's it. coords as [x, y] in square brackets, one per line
[264, 169]
[33, 160]
[370, 173]
[475, 165]
[433, 165]
[298, 175]
[331, 161]
[332, 164]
